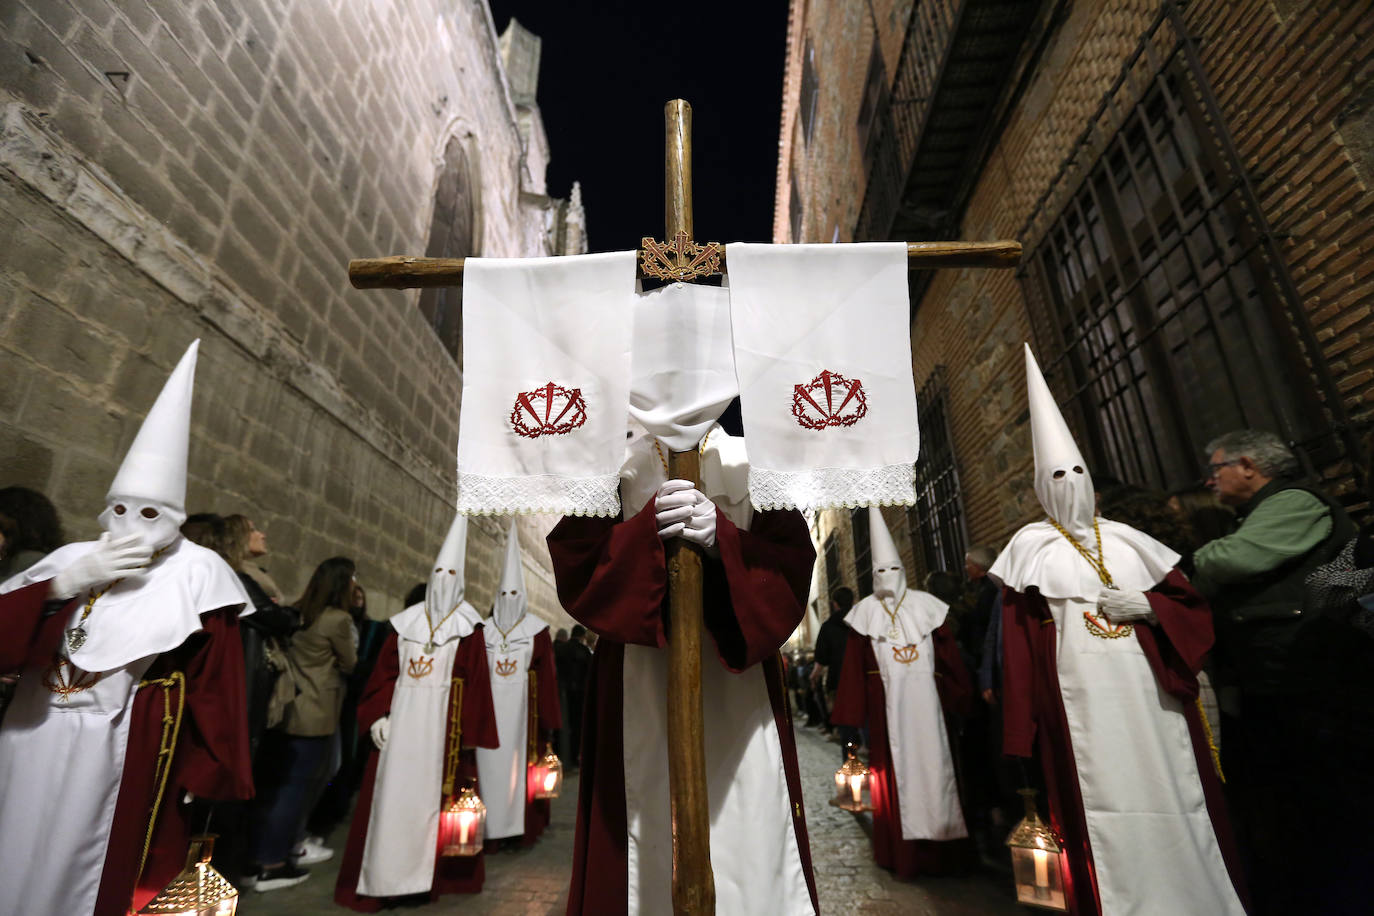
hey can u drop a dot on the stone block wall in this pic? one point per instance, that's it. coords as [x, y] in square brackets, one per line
[174, 169]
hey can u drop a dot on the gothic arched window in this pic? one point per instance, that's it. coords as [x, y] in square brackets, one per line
[452, 234]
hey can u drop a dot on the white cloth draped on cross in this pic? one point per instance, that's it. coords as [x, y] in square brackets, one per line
[559, 353]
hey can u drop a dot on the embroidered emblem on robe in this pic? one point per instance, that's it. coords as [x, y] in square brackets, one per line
[905, 654]
[420, 667]
[506, 667]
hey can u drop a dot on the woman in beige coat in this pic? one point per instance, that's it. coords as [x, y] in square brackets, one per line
[322, 653]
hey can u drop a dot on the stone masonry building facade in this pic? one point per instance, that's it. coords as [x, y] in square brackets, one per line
[1192, 184]
[206, 168]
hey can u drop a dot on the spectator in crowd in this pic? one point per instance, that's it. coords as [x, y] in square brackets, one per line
[1333, 654]
[253, 565]
[578, 658]
[206, 529]
[38, 531]
[265, 635]
[1254, 579]
[322, 653]
[830, 648]
[417, 593]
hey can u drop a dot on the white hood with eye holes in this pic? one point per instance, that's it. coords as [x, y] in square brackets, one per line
[1062, 481]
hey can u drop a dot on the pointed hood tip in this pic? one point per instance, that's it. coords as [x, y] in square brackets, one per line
[154, 468]
[1068, 499]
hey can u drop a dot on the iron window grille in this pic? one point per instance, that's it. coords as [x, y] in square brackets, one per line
[863, 551]
[937, 519]
[832, 565]
[1158, 299]
[810, 90]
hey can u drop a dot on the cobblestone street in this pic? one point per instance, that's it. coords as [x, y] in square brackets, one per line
[534, 882]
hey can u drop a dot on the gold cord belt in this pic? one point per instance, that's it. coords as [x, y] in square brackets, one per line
[455, 724]
[171, 730]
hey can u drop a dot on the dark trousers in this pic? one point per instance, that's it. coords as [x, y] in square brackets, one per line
[288, 803]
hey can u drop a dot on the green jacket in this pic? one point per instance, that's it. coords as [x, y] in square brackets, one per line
[1254, 580]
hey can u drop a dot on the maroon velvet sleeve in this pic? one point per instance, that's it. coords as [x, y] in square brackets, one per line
[1018, 674]
[479, 715]
[611, 576]
[756, 595]
[851, 701]
[550, 716]
[1184, 618]
[375, 701]
[212, 758]
[27, 638]
[952, 680]
[1177, 645]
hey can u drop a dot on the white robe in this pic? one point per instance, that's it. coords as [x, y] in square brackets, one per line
[922, 762]
[62, 757]
[501, 771]
[403, 827]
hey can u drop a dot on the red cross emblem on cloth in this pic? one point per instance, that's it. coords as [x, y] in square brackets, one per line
[828, 400]
[551, 410]
[506, 667]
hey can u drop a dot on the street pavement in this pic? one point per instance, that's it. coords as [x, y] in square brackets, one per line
[534, 882]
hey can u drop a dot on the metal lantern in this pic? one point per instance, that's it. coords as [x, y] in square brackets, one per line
[852, 784]
[547, 774]
[1038, 862]
[198, 890]
[462, 824]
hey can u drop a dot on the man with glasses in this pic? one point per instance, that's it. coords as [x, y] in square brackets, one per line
[1253, 579]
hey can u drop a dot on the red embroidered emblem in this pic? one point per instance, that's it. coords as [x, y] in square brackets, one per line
[506, 667]
[905, 654]
[828, 400]
[548, 411]
[420, 667]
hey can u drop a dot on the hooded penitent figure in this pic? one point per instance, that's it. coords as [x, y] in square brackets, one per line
[1102, 642]
[612, 577]
[524, 692]
[904, 677]
[427, 698]
[126, 645]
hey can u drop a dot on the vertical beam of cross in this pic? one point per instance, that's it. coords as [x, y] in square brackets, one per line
[694, 889]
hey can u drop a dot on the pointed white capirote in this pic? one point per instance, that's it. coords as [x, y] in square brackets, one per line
[446, 580]
[511, 599]
[889, 576]
[1062, 482]
[154, 468]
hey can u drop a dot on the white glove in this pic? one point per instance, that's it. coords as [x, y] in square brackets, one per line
[380, 730]
[110, 560]
[1124, 606]
[682, 510]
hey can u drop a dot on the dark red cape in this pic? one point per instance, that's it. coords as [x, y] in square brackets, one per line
[452, 874]
[862, 698]
[612, 577]
[550, 718]
[1033, 709]
[210, 759]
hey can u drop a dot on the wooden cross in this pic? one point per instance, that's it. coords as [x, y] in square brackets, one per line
[679, 258]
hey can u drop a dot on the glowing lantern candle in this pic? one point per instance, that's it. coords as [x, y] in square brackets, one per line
[462, 824]
[197, 890]
[852, 782]
[547, 774]
[1038, 861]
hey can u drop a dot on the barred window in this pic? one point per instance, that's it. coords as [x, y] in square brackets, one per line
[810, 89]
[875, 91]
[863, 551]
[1154, 303]
[832, 563]
[451, 235]
[937, 518]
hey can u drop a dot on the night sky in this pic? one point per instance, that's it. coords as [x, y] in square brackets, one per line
[607, 69]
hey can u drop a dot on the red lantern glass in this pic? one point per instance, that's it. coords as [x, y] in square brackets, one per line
[462, 824]
[547, 774]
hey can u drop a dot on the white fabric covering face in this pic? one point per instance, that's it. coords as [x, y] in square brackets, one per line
[447, 579]
[154, 469]
[155, 523]
[1062, 482]
[683, 362]
[511, 599]
[546, 383]
[823, 355]
[148, 613]
[889, 577]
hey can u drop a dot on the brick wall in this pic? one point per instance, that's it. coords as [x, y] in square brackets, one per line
[172, 170]
[1293, 82]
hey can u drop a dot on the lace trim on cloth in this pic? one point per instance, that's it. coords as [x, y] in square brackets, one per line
[833, 488]
[548, 494]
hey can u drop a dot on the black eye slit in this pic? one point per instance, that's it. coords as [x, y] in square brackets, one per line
[149, 512]
[1077, 469]
[119, 510]
[1059, 475]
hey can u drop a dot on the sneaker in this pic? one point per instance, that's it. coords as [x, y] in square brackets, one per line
[312, 852]
[272, 879]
